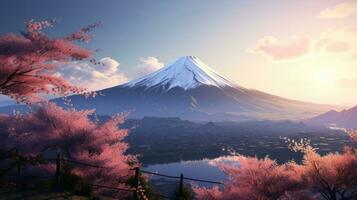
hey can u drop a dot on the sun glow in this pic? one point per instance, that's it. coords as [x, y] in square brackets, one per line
[323, 76]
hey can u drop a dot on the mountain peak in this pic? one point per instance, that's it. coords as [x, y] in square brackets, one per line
[186, 72]
[189, 58]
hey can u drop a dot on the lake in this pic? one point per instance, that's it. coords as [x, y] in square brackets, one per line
[205, 169]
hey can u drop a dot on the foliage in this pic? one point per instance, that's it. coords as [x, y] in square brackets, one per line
[352, 134]
[52, 128]
[28, 61]
[257, 179]
[185, 194]
[330, 177]
[74, 183]
[333, 176]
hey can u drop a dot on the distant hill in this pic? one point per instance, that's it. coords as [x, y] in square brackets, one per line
[166, 140]
[7, 102]
[346, 118]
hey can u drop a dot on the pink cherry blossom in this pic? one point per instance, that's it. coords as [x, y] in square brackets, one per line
[29, 61]
[49, 127]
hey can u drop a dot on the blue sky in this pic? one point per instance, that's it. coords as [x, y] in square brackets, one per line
[133, 29]
[219, 32]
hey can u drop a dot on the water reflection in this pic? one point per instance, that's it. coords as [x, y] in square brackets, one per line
[206, 169]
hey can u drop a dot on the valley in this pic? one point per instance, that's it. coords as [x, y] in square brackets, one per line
[167, 140]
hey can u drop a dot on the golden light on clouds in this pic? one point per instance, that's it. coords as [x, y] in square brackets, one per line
[320, 68]
[281, 50]
[339, 11]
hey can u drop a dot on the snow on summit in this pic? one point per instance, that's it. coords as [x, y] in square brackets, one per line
[186, 72]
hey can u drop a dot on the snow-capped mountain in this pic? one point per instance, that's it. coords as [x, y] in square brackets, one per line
[187, 72]
[190, 89]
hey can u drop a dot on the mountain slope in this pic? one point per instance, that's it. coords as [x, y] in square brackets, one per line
[190, 89]
[345, 118]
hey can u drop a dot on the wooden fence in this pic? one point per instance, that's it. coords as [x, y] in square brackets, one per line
[138, 190]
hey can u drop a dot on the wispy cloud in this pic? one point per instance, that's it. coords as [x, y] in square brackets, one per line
[348, 83]
[330, 45]
[280, 50]
[354, 57]
[352, 30]
[337, 41]
[339, 11]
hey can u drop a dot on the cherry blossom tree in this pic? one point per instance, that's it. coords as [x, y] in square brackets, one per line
[261, 179]
[330, 177]
[29, 61]
[352, 134]
[28, 65]
[333, 176]
[76, 136]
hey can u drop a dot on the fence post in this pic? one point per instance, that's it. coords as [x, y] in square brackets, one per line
[58, 170]
[17, 158]
[181, 187]
[136, 197]
[18, 175]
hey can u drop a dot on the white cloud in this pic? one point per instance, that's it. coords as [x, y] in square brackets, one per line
[94, 77]
[339, 11]
[108, 65]
[147, 65]
[106, 73]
